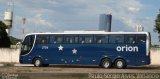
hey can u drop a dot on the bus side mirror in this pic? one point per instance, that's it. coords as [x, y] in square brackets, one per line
[18, 44]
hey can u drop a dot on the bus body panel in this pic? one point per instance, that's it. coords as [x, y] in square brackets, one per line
[87, 54]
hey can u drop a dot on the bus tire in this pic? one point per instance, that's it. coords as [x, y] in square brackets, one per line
[120, 64]
[106, 63]
[37, 62]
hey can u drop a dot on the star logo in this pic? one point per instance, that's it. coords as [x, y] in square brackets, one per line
[74, 51]
[60, 47]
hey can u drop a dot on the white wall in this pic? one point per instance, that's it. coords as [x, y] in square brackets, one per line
[12, 55]
[155, 56]
[9, 55]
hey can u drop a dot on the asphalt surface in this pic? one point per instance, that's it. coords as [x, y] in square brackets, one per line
[84, 69]
[74, 71]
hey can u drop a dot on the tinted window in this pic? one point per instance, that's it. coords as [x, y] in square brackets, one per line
[52, 39]
[101, 39]
[70, 39]
[29, 40]
[42, 39]
[130, 39]
[141, 38]
[27, 44]
[76, 39]
[87, 39]
[118, 39]
[59, 39]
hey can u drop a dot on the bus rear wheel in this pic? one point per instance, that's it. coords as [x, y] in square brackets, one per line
[37, 62]
[120, 64]
[106, 63]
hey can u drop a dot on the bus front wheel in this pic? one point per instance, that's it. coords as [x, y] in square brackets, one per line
[37, 62]
[106, 63]
[120, 64]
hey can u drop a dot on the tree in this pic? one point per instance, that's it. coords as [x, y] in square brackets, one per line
[14, 40]
[4, 39]
[157, 25]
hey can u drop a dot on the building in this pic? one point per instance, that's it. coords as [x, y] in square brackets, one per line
[105, 21]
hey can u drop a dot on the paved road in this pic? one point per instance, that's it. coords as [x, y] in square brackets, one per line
[83, 69]
[76, 72]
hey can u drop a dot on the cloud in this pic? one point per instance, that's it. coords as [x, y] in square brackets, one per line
[133, 9]
[77, 12]
[126, 11]
[39, 21]
[84, 9]
[60, 15]
[122, 10]
[32, 24]
[2, 1]
[35, 20]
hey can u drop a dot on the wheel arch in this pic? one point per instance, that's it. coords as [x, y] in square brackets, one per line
[102, 59]
[119, 58]
[35, 58]
[124, 65]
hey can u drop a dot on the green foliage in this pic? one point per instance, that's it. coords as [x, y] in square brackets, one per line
[8, 64]
[4, 39]
[157, 24]
[155, 46]
[3, 25]
[14, 40]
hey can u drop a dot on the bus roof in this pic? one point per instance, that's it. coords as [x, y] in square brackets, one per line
[89, 32]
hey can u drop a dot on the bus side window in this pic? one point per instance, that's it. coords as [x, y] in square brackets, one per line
[66, 39]
[52, 39]
[130, 39]
[58, 39]
[76, 39]
[141, 39]
[69, 39]
[88, 39]
[81, 40]
[101, 39]
[116, 39]
[42, 39]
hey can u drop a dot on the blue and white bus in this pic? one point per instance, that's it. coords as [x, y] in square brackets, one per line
[106, 49]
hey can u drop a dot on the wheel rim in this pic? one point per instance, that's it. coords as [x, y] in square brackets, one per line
[106, 64]
[37, 62]
[119, 64]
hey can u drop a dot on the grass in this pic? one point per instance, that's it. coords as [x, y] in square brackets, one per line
[25, 70]
[8, 68]
[60, 76]
[8, 64]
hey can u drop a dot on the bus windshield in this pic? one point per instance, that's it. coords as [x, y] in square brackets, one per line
[27, 44]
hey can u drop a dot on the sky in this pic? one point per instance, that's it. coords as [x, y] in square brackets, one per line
[62, 15]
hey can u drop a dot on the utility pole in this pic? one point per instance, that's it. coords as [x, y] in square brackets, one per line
[23, 26]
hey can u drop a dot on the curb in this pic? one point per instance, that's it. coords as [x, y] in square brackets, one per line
[18, 65]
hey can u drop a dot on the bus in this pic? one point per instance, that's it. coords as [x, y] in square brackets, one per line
[105, 49]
